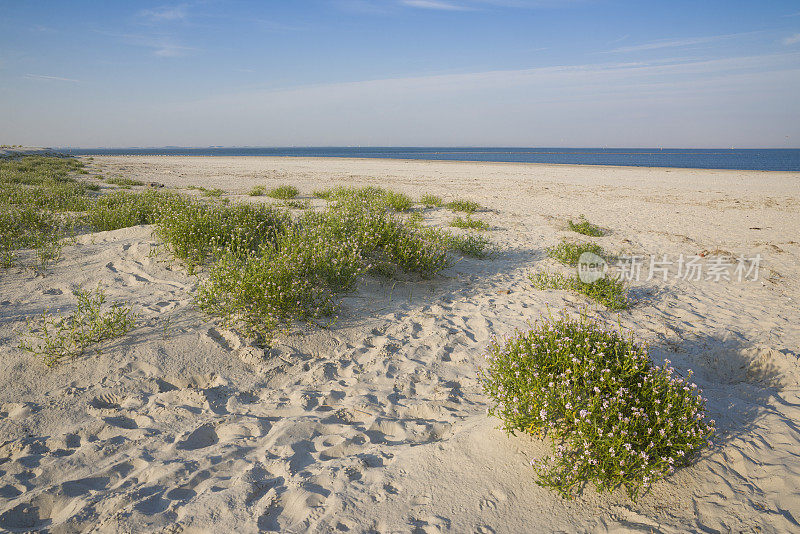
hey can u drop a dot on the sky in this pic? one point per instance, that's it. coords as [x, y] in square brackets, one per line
[527, 73]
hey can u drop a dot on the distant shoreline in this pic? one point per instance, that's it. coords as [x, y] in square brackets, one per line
[786, 160]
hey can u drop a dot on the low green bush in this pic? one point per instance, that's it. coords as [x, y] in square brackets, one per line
[119, 180]
[475, 246]
[257, 191]
[283, 192]
[431, 201]
[469, 223]
[614, 419]
[569, 253]
[582, 226]
[54, 339]
[610, 292]
[468, 206]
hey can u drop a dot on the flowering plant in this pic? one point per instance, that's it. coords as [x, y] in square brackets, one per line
[615, 419]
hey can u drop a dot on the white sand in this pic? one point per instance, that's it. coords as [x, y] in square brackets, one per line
[379, 423]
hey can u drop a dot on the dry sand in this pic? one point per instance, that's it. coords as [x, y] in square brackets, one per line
[378, 423]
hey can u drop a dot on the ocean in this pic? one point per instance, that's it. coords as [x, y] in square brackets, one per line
[778, 159]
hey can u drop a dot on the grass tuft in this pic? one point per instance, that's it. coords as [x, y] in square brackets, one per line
[283, 192]
[468, 206]
[431, 201]
[582, 226]
[257, 191]
[608, 291]
[117, 180]
[469, 223]
[569, 253]
[54, 339]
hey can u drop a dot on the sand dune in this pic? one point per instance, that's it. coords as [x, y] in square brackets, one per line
[378, 422]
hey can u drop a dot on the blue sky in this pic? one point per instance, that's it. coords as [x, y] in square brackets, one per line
[401, 72]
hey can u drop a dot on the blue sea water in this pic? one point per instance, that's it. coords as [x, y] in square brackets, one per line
[744, 159]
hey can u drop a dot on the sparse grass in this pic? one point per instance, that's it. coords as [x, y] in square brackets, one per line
[608, 291]
[614, 419]
[469, 223]
[324, 194]
[390, 199]
[319, 256]
[296, 204]
[468, 206]
[121, 181]
[582, 226]
[123, 209]
[213, 192]
[569, 253]
[475, 246]
[283, 192]
[257, 191]
[56, 338]
[431, 201]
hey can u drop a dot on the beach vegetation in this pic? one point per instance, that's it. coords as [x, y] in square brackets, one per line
[467, 206]
[257, 191]
[569, 253]
[57, 338]
[582, 226]
[613, 418]
[469, 223]
[608, 291]
[431, 201]
[124, 182]
[283, 192]
[471, 244]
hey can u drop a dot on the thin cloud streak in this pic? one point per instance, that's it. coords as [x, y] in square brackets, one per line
[675, 43]
[436, 5]
[794, 39]
[44, 77]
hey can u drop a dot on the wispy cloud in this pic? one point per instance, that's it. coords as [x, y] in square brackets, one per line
[434, 4]
[165, 13]
[794, 39]
[675, 43]
[46, 78]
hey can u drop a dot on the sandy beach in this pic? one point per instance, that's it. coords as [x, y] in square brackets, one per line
[378, 422]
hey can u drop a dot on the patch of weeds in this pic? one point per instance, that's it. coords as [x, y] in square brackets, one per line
[468, 206]
[469, 223]
[610, 292]
[320, 255]
[569, 253]
[119, 180]
[582, 226]
[122, 209]
[324, 194]
[213, 192]
[195, 230]
[296, 204]
[283, 192]
[257, 191]
[56, 338]
[472, 245]
[388, 199]
[614, 418]
[431, 201]
[397, 201]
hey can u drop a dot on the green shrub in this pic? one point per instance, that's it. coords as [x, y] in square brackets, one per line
[472, 245]
[569, 253]
[386, 198]
[468, 206]
[122, 209]
[324, 194]
[318, 256]
[431, 201]
[469, 222]
[196, 230]
[257, 191]
[54, 339]
[118, 180]
[614, 419]
[397, 201]
[296, 204]
[610, 292]
[283, 192]
[586, 228]
[213, 192]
